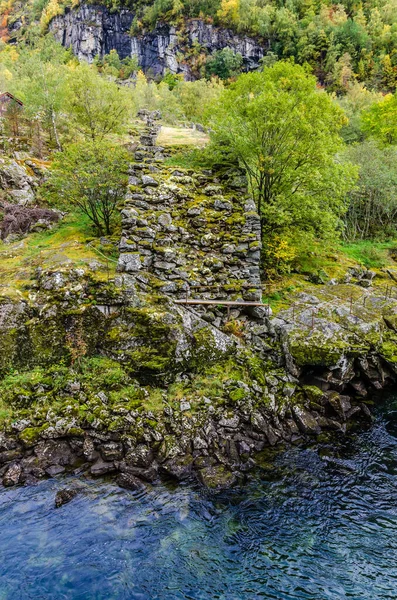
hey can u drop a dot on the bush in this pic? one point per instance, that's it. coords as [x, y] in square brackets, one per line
[92, 176]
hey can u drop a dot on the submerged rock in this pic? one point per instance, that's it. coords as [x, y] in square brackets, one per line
[217, 477]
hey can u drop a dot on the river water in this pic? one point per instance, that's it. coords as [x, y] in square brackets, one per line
[320, 525]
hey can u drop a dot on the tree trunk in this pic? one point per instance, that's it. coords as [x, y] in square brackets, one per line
[54, 127]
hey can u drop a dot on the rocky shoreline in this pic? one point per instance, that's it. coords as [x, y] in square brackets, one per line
[326, 387]
[219, 449]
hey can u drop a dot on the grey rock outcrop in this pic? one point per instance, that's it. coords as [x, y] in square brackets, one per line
[16, 183]
[94, 31]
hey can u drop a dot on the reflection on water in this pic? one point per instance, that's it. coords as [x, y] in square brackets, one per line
[324, 526]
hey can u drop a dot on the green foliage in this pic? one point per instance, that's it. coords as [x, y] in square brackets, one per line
[369, 254]
[356, 100]
[91, 175]
[111, 65]
[44, 95]
[176, 99]
[103, 373]
[22, 389]
[172, 80]
[284, 133]
[372, 209]
[380, 120]
[195, 97]
[343, 43]
[97, 106]
[224, 64]
[17, 388]
[65, 98]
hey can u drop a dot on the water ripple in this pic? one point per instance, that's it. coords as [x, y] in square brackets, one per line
[322, 526]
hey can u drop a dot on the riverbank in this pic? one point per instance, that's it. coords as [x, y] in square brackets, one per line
[167, 394]
[109, 372]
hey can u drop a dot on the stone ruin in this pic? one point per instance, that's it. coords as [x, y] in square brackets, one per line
[185, 233]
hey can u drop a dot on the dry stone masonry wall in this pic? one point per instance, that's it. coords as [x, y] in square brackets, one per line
[185, 234]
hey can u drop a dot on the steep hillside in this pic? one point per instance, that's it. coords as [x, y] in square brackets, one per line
[343, 43]
[94, 31]
[112, 372]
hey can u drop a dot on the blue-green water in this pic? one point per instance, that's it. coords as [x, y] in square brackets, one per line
[323, 525]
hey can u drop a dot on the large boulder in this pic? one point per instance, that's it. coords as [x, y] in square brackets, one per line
[16, 182]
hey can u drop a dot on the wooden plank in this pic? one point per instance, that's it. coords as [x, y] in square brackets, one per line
[219, 302]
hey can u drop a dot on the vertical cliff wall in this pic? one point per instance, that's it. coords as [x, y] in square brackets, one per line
[94, 31]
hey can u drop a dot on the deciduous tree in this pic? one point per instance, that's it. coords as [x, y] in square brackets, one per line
[93, 177]
[380, 120]
[97, 106]
[372, 209]
[284, 132]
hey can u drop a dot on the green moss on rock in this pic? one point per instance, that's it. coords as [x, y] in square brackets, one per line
[31, 435]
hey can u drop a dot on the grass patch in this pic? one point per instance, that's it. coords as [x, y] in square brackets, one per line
[370, 254]
[64, 245]
[180, 136]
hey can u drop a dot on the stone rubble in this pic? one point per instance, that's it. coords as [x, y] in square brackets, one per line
[182, 236]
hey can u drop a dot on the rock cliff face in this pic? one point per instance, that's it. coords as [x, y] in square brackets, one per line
[94, 30]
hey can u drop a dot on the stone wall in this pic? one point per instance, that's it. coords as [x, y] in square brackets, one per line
[94, 31]
[186, 234]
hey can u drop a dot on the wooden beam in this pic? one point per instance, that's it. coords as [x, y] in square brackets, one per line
[218, 302]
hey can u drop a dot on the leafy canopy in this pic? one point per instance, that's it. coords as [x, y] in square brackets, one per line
[224, 64]
[91, 175]
[380, 120]
[97, 106]
[284, 132]
[372, 209]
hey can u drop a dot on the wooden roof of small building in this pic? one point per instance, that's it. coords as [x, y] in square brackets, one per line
[11, 97]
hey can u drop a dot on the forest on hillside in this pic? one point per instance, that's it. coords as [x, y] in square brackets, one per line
[342, 42]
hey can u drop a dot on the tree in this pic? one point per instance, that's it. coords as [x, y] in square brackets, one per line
[284, 133]
[13, 115]
[224, 64]
[389, 72]
[44, 96]
[380, 120]
[195, 96]
[229, 12]
[357, 99]
[44, 93]
[373, 202]
[342, 75]
[97, 106]
[92, 176]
